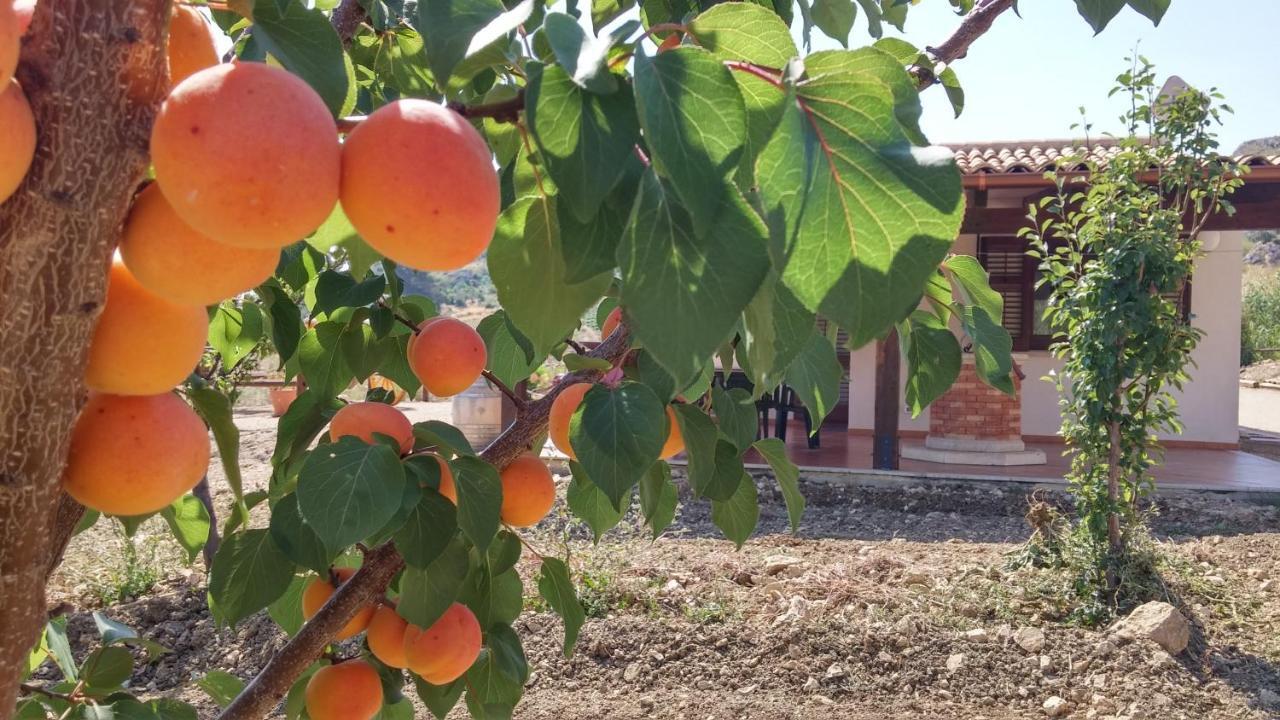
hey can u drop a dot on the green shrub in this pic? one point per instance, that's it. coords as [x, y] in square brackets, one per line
[1260, 319]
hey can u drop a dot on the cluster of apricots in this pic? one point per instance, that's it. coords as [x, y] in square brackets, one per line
[247, 159]
[566, 404]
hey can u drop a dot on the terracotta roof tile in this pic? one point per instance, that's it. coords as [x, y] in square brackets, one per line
[1040, 156]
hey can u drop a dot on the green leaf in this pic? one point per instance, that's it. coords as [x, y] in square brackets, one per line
[425, 593]
[872, 9]
[322, 361]
[235, 332]
[591, 248]
[496, 680]
[726, 474]
[296, 538]
[189, 521]
[684, 292]
[248, 572]
[745, 31]
[427, 531]
[951, 85]
[774, 452]
[305, 43]
[584, 59]
[604, 12]
[221, 687]
[584, 138]
[456, 29]
[113, 632]
[591, 505]
[1099, 12]
[815, 375]
[859, 216]
[215, 409]
[528, 270]
[495, 597]
[700, 435]
[556, 588]
[648, 371]
[55, 636]
[695, 126]
[1154, 10]
[302, 422]
[337, 290]
[658, 498]
[510, 354]
[349, 489]
[479, 499]
[107, 667]
[777, 327]
[617, 434]
[440, 699]
[737, 516]
[286, 610]
[835, 18]
[736, 411]
[933, 359]
[395, 366]
[973, 284]
[286, 319]
[443, 436]
[992, 348]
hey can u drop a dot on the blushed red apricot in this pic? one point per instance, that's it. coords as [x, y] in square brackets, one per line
[350, 690]
[318, 592]
[675, 440]
[562, 409]
[180, 264]
[135, 455]
[247, 154]
[443, 652]
[447, 356]
[10, 37]
[610, 322]
[418, 184]
[363, 419]
[18, 128]
[385, 636]
[191, 46]
[528, 491]
[143, 344]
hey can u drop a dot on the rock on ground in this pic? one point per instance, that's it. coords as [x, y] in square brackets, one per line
[1159, 622]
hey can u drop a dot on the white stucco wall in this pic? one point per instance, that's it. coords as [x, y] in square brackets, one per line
[1209, 403]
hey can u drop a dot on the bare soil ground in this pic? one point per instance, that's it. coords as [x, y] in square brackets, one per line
[867, 612]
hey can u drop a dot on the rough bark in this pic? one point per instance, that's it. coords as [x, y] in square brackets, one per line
[94, 72]
[974, 26]
[382, 563]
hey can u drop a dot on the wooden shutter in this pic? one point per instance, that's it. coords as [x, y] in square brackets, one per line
[1012, 274]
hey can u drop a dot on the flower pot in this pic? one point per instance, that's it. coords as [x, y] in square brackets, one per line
[282, 398]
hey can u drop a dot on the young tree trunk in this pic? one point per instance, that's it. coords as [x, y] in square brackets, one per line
[1115, 541]
[94, 72]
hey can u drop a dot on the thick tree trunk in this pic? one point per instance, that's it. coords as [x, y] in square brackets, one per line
[94, 73]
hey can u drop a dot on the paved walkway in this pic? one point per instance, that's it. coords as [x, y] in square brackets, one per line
[1260, 409]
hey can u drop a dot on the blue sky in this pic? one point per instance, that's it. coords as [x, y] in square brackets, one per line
[1027, 77]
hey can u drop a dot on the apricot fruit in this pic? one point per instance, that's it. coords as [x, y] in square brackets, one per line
[385, 636]
[610, 322]
[363, 419]
[447, 488]
[562, 409]
[443, 652]
[447, 356]
[247, 154]
[182, 265]
[10, 36]
[418, 184]
[18, 128]
[675, 441]
[143, 344]
[349, 690]
[191, 46]
[528, 491]
[133, 455]
[318, 592]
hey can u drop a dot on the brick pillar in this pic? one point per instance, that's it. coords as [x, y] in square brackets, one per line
[976, 417]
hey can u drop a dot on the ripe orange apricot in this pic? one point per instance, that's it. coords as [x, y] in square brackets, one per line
[610, 322]
[143, 344]
[10, 35]
[350, 690]
[562, 409]
[191, 47]
[18, 128]
[318, 592]
[182, 265]
[528, 491]
[436, 205]
[135, 455]
[675, 441]
[447, 487]
[385, 636]
[447, 356]
[247, 154]
[363, 419]
[443, 652]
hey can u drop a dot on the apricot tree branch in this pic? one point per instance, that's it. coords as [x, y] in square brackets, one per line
[381, 564]
[973, 26]
[399, 318]
[511, 394]
[346, 19]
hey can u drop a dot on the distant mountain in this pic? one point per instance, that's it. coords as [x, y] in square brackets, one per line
[1260, 146]
[469, 286]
